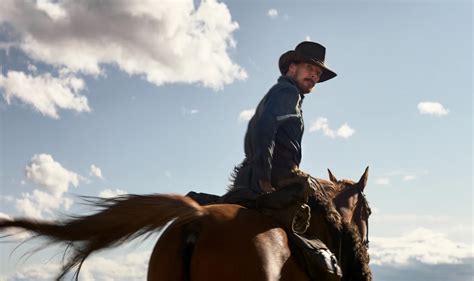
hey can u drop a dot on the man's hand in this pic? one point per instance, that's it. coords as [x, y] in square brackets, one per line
[266, 186]
[297, 172]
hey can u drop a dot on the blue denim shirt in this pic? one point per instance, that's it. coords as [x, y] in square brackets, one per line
[275, 132]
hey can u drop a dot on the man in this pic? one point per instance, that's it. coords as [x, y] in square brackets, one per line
[269, 178]
[273, 138]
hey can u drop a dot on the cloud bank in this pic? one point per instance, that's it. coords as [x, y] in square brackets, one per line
[54, 180]
[45, 93]
[421, 254]
[322, 124]
[421, 245]
[51, 175]
[121, 267]
[160, 41]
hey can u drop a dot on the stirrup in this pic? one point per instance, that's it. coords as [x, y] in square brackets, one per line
[301, 219]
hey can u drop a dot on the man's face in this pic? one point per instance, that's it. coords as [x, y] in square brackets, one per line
[305, 74]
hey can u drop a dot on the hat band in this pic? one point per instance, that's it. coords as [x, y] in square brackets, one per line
[317, 61]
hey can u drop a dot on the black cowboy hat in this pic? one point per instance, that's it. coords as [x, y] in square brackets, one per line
[309, 52]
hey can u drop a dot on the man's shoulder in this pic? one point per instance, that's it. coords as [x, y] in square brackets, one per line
[284, 87]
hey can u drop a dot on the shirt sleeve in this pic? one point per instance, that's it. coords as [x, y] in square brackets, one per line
[281, 105]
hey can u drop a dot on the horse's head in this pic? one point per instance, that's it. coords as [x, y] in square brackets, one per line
[351, 203]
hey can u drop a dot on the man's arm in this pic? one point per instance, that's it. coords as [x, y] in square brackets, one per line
[266, 185]
[280, 106]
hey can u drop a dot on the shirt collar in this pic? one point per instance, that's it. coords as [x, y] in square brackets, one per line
[288, 79]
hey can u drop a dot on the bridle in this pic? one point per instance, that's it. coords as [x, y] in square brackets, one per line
[365, 211]
[362, 204]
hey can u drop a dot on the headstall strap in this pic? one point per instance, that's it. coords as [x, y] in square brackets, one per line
[368, 213]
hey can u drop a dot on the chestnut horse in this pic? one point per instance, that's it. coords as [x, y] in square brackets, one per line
[216, 242]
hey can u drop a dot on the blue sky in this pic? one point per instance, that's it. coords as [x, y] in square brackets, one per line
[154, 96]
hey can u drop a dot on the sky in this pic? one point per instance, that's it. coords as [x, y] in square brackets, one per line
[110, 97]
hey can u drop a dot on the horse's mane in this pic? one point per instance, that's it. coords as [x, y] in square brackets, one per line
[359, 258]
[324, 193]
[233, 176]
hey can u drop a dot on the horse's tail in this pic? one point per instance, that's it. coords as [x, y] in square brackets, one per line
[119, 219]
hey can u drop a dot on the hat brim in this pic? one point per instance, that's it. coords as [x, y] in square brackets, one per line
[287, 58]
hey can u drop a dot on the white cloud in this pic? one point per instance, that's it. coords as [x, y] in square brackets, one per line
[432, 108]
[96, 171]
[400, 175]
[5, 216]
[51, 175]
[345, 131]
[53, 10]
[161, 41]
[119, 267]
[54, 179]
[409, 178]
[422, 245]
[307, 38]
[37, 272]
[45, 93]
[322, 124]
[29, 206]
[272, 13]
[40, 204]
[382, 181]
[67, 203]
[186, 111]
[32, 68]
[132, 266]
[108, 193]
[246, 115]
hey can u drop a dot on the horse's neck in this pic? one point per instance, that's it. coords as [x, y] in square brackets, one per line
[329, 188]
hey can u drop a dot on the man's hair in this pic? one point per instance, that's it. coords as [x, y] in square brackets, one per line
[295, 61]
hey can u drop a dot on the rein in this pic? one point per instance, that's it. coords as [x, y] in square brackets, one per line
[368, 213]
[361, 203]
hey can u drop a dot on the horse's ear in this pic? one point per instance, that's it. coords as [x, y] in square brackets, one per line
[331, 176]
[363, 180]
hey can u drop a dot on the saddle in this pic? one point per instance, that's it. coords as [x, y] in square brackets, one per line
[287, 206]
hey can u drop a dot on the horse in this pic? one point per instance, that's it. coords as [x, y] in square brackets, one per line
[215, 242]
